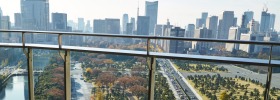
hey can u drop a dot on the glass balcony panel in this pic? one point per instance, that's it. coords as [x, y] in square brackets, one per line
[106, 76]
[13, 74]
[48, 68]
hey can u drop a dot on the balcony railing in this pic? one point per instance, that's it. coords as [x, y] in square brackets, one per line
[151, 55]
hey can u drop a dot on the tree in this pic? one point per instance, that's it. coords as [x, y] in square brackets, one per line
[224, 96]
[138, 91]
[96, 72]
[106, 78]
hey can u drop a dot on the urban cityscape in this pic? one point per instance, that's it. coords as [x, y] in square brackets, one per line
[102, 76]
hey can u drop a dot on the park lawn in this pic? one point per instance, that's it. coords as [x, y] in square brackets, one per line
[177, 67]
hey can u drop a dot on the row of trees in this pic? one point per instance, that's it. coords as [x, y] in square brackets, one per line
[50, 84]
[230, 88]
[198, 66]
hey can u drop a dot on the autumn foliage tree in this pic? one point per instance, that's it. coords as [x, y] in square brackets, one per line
[138, 91]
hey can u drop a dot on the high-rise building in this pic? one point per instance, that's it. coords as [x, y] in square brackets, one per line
[177, 46]
[112, 26]
[212, 24]
[35, 15]
[129, 28]
[88, 27]
[267, 22]
[234, 34]
[251, 48]
[190, 30]
[254, 26]
[59, 21]
[143, 23]
[272, 22]
[81, 24]
[132, 20]
[109, 25]
[124, 23]
[151, 11]
[5, 24]
[201, 22]
[17, 17]
[99, 26]
[225, 23]
[246, 18]
[202, 33]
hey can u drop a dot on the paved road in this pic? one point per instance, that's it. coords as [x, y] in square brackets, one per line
[237, 71]
[181, 87]
[80, 89]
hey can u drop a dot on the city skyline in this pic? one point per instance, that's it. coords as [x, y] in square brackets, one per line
[167, 10]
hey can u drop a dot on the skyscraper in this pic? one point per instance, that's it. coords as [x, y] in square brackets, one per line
[151, 10]
[81, 24]
[190, 30]
[272, 22]
[35, 16]
[124, 22]
[99, 26]
[59, 21]
[132, 20]
[17, 17]
[246, 18]
[5, 24]
[177, 46]
[112, 26]
[88, 27]
[200, 22]
[202, 33]
[143, 25]
[267, 22]
[234, 34]
[225, 23]
[212, 24]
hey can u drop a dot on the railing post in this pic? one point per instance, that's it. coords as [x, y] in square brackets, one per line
[30, 74]
[269, 74]
[148, 46]
[152, 68]
[67, 76]
[59, 41]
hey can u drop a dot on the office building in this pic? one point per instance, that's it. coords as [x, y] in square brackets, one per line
[112, 26]
[6, 25]
[251, 48]
[81, 24]
[190, 30]
[202, 33]
[177, 46]
[246, 18]
[143, 23]
[17, 17]
[201, 22]
[35, 16]
[225, 23]
[234, 34]
[132, 20]
[124, 23]
[59, 21]
[212, 24]
[99, 26]
[151, 10]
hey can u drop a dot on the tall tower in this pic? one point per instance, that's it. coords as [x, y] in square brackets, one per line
[225, 23]
[246, 18]
[35, 16]
[212, 24]
[151, 11]
[81, 24]
[124, 22]
[59, 21]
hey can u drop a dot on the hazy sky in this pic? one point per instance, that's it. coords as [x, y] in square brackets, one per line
[180, 12]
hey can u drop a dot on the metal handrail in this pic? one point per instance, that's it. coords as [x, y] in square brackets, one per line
[147, 37]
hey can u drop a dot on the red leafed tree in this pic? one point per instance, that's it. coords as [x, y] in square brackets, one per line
[106, 78]
[55, 94]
